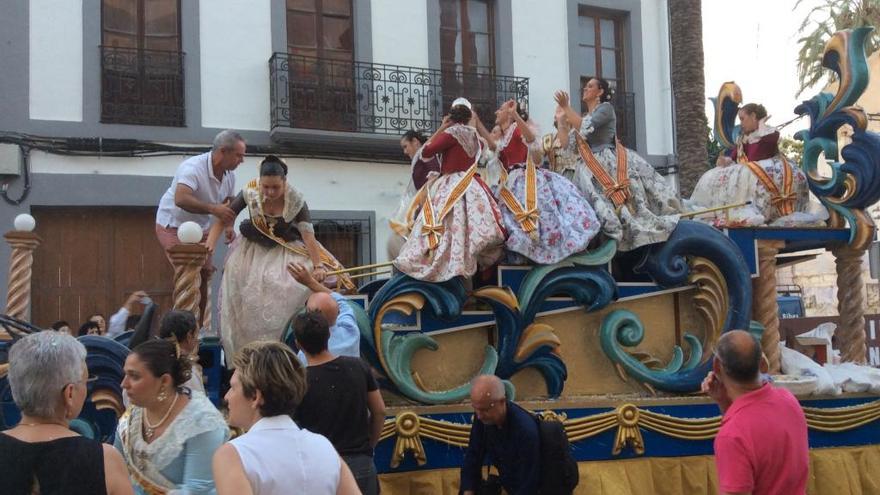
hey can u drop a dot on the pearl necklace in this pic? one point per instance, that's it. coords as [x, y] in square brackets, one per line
[150, 429]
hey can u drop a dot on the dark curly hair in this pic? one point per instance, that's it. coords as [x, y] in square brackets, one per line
[460, 114]
[163, 357]
[605, 86]
[273, 166]
[413, 134]
[177, 323]
[755, 109]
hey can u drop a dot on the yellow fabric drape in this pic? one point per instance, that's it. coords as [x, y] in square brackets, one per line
[833, 471]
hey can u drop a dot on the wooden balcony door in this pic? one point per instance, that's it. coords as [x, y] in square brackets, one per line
[320, 42]
[92, 258]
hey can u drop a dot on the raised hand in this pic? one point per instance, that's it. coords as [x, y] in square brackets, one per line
[561, 98]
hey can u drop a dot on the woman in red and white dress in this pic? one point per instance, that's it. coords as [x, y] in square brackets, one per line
[459, 226]
[546, 217]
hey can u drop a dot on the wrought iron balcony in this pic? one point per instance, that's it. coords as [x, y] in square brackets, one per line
[142, 87]
[333, 95]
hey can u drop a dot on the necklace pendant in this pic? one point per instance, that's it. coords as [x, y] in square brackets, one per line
[148, 433]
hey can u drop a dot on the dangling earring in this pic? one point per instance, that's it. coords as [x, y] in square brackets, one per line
[162, 395]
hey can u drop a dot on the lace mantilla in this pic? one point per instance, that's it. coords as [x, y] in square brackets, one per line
[199, 416]
[293, 201]
[466, 136]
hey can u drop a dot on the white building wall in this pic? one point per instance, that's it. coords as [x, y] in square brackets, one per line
[658, 84]
[540, 52]
[327, 184]
[55, 60]
[400, 32]
[235, 43]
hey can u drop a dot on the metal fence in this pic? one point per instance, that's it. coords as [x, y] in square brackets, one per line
[340, 95]
[142, 87]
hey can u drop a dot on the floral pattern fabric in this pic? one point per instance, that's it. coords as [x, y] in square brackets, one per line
[652, 212]
[566, 222]
[736, 183]
[471, 234]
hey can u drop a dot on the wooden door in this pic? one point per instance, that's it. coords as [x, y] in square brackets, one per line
[92, 258]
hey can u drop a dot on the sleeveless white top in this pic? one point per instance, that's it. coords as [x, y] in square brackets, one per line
[280, 458]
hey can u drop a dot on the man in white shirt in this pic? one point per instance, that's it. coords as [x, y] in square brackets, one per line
[201, 189]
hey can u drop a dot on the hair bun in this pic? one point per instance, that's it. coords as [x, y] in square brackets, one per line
[272, 159]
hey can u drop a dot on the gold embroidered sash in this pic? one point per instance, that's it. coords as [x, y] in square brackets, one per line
[783, 201]
[432, 226]
[404, 229]
[527, 216]
[127, 439]
[618, 192]
[259, 222]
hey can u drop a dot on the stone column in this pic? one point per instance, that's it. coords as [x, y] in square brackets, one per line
[187, 260]
[850, 304]
[18, 295]
[765, 309]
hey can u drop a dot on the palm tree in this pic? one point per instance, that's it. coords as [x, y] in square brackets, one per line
[822, 21]
[688, 90]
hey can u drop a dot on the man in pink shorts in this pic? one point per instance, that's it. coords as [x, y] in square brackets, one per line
[762, 445]
[200, 191]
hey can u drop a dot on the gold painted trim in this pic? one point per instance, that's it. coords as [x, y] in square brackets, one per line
[628, 418]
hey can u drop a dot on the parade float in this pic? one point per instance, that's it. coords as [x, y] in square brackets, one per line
[613, 348]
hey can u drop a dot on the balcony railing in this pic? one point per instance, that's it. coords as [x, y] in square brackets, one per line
[625, 108]
[317, 93]
[142, 87]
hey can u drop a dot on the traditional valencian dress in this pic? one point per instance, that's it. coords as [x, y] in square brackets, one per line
[776, 187]
[258, 296]
[179, 460]
[546, 218]
[459, 225]
[635, 204]
[401, 222]
[561, 157]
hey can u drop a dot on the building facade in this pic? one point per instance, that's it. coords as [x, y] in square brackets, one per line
[102, 99]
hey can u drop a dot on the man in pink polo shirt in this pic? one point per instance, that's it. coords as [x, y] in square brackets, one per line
[762, 445]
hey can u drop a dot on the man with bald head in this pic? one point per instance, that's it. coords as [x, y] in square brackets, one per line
[505, 435]
[762, 445]
[345, 336]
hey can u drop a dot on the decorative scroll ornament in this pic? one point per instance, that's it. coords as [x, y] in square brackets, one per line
[521, 343]
[726, 106]
[854, 183]
[394, 351]
[723, 300]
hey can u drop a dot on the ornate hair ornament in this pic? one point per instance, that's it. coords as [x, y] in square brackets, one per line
[461, 101]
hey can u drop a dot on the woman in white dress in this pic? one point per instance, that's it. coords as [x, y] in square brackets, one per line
[258, 297]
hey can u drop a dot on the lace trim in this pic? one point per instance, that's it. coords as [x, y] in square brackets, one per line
[199, 416]
[293, 201]
[505, 139]
[757, 134]
[466, 137]
[587, 127]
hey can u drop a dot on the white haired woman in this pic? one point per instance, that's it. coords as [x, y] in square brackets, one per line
[48, 375]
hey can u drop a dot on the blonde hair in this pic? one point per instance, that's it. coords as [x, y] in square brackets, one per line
[274, 370]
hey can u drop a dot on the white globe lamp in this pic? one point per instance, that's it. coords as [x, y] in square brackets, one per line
[189, 233]
[24, 223]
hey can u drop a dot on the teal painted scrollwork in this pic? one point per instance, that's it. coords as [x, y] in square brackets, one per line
[394, 350]
[855, 182]
[622, 328]
[667, 264]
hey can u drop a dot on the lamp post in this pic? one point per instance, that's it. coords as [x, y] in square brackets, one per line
[188, 257]
[23, 241]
